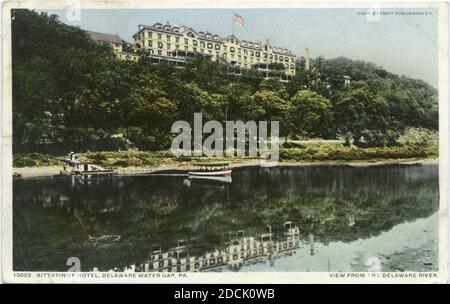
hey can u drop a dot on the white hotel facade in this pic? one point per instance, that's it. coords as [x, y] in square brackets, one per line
[174, 44]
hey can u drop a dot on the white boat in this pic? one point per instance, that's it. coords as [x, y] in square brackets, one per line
[210, 170]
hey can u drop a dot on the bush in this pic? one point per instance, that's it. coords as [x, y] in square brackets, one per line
[34, 160]
[376, 138]
[418, 137]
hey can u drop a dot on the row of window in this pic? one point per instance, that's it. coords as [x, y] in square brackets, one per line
[210, 45]
[232, 50]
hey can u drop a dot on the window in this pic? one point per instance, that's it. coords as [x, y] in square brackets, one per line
[245, 52]
[194, 49]
[276, 57]
[257, 54]
[210, 46]
[186, 48]
[150, 43]
[149, 34]
[292, 59]
[177, 46]
[195, 42]
[232, 49]
[292, 66]
[186, 41]
[159, 52]
[168, 46]
[177, 39]
[159, 36]
[202, 44]
[168, 37]
[286, 59]
[217, 46]
[160, 45]
[281, 58]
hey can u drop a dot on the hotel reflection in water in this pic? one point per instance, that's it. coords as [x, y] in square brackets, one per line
[242, 250]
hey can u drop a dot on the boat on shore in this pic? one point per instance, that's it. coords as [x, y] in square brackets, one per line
[210, 170]
[82, 168]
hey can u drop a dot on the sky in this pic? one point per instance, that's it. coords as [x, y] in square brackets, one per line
[405, 44]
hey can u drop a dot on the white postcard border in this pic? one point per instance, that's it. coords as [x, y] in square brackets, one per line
[242, 277]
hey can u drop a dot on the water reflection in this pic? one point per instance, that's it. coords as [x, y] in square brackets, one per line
[56, 218]
[241, 250]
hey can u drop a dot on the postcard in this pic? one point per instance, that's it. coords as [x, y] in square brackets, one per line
[224, 142]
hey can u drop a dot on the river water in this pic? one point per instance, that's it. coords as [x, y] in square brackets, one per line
[376, 218]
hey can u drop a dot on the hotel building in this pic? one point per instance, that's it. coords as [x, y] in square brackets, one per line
[174, 44]
[116, 43]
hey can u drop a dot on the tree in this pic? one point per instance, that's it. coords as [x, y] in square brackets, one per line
[311, 114]
[269, 106]
[357, 109]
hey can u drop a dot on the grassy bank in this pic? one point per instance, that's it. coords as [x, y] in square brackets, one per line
[337, 152]
[34, 160]
[313, 152]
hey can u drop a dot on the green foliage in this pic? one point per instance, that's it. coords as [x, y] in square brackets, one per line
[327, 152]
[311, 115]
[418, 137]
[69, 91]
[34, 160]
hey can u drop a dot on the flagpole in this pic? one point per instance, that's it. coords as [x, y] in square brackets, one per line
[232, 20]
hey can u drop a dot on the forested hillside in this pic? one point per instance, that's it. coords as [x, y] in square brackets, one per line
[71, 92]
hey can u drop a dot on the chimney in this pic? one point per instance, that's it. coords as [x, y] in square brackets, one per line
[307, 59]
[267, 45]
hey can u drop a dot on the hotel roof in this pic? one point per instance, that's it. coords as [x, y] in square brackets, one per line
[104, 37]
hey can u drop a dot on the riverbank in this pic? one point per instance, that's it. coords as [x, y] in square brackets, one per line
[126, 162]
[55, 170]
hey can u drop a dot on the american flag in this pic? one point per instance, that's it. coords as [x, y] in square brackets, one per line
[238, 19]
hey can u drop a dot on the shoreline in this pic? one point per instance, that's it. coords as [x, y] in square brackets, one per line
[48, 171]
